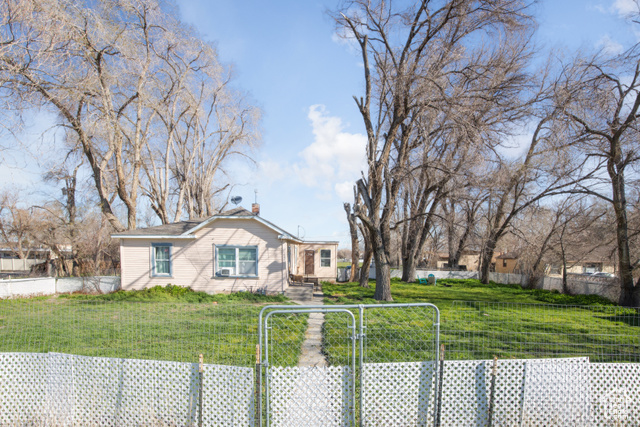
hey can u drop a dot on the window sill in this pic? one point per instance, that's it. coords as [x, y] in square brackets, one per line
[236, 277]
[162, 276]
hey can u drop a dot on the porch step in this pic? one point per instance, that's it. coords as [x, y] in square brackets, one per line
[299, 293]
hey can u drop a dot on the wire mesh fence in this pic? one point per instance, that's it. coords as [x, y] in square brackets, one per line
[223, 333]
[482, 330]
[228, 333]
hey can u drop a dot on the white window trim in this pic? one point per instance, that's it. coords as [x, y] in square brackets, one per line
[321, 258]
[236, 247]
[153, 259]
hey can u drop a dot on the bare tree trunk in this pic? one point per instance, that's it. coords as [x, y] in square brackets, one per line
[409, 268]
[355, 248]
[383, 277]
[366, 266]
[565, 285]
[624, 258]
[487, 255]
[366, 259]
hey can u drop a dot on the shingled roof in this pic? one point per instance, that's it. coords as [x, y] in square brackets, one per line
[187, 229]
[181, 227]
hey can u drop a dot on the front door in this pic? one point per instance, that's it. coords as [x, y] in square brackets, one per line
[309, 258]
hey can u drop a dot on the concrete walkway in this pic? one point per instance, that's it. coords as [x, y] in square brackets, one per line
[312, 345]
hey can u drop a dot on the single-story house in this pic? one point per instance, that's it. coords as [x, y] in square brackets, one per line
[469, 259]
[236, 250]
[583, 267]
[506, 262]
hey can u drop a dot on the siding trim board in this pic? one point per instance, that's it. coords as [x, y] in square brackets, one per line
[156, 237]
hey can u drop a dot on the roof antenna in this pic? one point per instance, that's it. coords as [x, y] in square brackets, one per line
[256, 191]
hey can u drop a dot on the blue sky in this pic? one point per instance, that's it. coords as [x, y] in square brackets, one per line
[286, 57]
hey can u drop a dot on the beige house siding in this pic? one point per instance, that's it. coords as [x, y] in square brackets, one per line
[507, 265]
[193, 259]
[322, 273]
[471, 261]
[582, 267]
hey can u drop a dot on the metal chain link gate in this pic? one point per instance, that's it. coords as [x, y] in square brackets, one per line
[387, 356]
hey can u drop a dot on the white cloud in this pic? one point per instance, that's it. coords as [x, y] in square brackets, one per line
[344, 190]
[270, 171]
[609, 46]
[330, 165]
[345, 37]
[625, 7]
[333, 161]
[516, 146]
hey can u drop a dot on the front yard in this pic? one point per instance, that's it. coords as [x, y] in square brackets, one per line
[477, 322]
[171, 323]
[482, 321]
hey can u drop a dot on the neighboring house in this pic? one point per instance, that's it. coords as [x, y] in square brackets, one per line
[506, 263]
[11, 262]
[589, 266]
[470, 260]
[233, 251]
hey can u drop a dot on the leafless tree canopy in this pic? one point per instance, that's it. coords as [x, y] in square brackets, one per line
[448, 85]
[141, 96]
[433, 80]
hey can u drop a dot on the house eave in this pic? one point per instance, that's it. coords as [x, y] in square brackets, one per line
[288, 237]
[151, 236]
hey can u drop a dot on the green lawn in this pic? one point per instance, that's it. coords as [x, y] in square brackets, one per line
[479, 321]
[174, 323]
[345, 264]
[161, 323]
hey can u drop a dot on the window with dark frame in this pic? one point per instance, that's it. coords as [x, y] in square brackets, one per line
[325, 258]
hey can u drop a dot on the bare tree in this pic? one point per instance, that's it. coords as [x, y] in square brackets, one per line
[547, 168]
[407, 53]
[16, 225]
[603, 105]
[367, 256]
[459, 216]
[121, 76]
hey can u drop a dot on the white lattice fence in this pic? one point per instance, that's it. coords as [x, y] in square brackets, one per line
[310, 396]
[23, 388]
[465, 393]
[615, 388]
[537, 392]
[398, 394]
[557, 393]
[67, 390]
[64, 390]
[532, 392]
[228, 396]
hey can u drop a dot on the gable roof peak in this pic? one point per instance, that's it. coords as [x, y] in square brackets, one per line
[239, 211]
